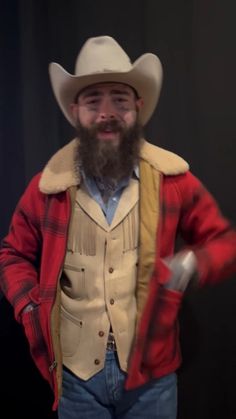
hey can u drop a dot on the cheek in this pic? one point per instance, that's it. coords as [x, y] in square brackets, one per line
[86, 118]
[130, 118]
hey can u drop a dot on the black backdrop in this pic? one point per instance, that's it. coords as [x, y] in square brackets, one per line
[195, 40]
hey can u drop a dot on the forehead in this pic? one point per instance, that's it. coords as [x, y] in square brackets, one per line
[107, 87]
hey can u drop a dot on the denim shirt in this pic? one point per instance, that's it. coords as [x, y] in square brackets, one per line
[109, 207]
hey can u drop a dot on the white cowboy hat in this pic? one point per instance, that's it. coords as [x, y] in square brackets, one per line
[102, 59]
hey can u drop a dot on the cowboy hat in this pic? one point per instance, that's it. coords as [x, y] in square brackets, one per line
[102, 59]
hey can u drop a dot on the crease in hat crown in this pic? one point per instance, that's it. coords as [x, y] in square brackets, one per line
[102, 54]
[102, 59]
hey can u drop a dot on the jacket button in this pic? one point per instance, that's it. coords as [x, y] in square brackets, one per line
[112, 301]
[97, 362]
[111, 270]
[101, 333]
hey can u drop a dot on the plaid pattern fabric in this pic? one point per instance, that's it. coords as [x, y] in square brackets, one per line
[30, 266]
[32, 256]
[188, 209]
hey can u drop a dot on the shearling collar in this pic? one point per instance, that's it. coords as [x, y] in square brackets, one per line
[59, 173]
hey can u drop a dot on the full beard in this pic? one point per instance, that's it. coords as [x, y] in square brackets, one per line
[108, 160]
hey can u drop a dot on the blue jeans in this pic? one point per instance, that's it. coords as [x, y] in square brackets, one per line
[103, 396]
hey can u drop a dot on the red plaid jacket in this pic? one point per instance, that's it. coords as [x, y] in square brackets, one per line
[32, 255]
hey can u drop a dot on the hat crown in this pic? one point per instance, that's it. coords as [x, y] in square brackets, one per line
[102, 55]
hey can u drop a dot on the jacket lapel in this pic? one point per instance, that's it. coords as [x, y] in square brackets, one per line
[91, 207]
[127, 201]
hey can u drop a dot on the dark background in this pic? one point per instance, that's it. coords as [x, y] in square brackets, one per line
[196, 118]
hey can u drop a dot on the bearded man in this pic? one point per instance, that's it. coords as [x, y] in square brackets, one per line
[89, 263]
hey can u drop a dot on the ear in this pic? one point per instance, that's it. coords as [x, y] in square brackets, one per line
[74, 111]
[139, 103]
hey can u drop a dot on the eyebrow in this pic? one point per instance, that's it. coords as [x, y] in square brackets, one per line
[98, 93]
[120, 92]
[91, 93]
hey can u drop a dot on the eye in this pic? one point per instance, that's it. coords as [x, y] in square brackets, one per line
[92, 101]
[121, 99]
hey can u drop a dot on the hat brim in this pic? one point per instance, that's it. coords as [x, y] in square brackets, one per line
[145, 77]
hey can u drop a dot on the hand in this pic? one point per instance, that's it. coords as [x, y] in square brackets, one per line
[183, 266]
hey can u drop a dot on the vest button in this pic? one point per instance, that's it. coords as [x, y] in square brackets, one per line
[101, 333]
[96, 361]
[112, 301]
[111, 270]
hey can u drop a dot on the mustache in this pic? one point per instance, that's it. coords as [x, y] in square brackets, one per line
[112, 125]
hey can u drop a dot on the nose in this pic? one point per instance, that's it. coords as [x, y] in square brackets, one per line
[106, 110]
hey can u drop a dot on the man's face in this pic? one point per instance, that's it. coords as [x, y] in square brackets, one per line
[110, 107]
[106, 118]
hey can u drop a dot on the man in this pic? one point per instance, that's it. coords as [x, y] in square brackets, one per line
[89, 262]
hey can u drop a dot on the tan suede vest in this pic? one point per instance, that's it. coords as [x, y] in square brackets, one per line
[99, 282]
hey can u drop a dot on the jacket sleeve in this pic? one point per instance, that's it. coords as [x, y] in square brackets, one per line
[207, 232]
[20, 250]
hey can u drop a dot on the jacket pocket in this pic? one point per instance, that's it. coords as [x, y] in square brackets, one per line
[162, 346]
[166, 311]
[71, 329]
[73, 281]
[34, 335]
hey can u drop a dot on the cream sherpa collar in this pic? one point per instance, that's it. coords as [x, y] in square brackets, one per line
[59, 173]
